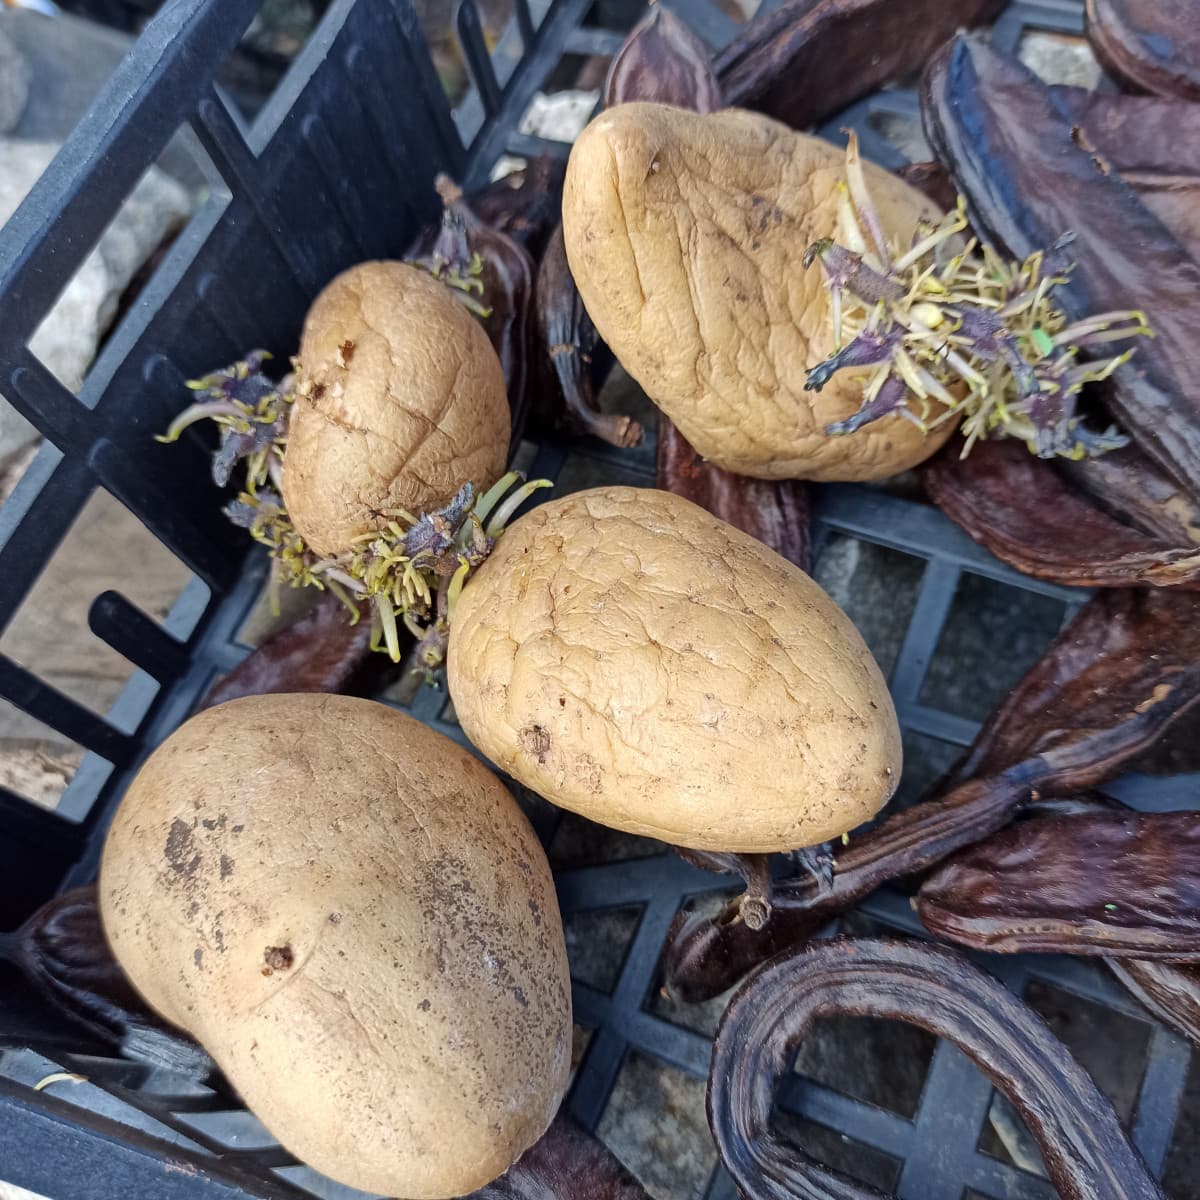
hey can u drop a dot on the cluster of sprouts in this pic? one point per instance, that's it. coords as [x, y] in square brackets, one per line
[953, 331]
[409, 572]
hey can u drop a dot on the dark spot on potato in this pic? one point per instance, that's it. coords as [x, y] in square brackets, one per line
[424, 1005]
[346, 349]
[279, 958]
[335, 918]
[211, 823]
[536, 741]
[198, 956]
[226, 866]
[535, 909]
[179, 850]
[318, 391]
[562, 702]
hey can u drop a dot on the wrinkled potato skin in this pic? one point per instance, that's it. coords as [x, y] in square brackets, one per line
[401, 400]
[686, 234]
[631, 658]
[421, 1037]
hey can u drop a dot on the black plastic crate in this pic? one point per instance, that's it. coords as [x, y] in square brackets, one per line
[336, 167]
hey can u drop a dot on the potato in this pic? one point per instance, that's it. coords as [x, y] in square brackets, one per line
[400, 401]
[634, 659]
[353, 917]
[686, 234]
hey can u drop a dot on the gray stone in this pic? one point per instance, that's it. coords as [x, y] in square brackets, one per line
[14, 84]
[67, 339]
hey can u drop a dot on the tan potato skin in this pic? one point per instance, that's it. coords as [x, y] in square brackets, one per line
[419, 1040]
[401, 400]
[631, 658]
[686, 234]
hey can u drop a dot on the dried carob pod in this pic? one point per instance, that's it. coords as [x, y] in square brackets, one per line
[1029, 516]
[62, 952]
[323, 651]
[1171, 991]
[494, 276]
[663, 61]
[1085, 1150]
[806, 59]
[1153, 45]
[1128, 487]
[1106, 884]
[1028, 178]
[569, 338]
[1155, 145]
[525, 205]
[1111, 683]
[565, 1164]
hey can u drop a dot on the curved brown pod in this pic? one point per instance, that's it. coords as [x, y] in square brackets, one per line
[664, 61]
[1086, 1153]
[324, 651]
[806, 59]
[565, 1164]
[526, 205]
[1171, 991]
[1028, 516]
[61, 950]
[568, 337]
[1153, 45]
[1028, 178]
[1108, 884]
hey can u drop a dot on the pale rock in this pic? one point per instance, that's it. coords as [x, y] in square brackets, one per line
[559, 117]
[14, 84]
[67, 339]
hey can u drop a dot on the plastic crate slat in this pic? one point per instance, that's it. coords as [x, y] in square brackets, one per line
[1160, 1095]
[588, 40]
[478, 58]
[954, 1105]
[527, 145]
[199, 533]
[137, 637]
[886, 1131]
[223, 142]
[680, 1048]
[38, 396]
[934, 600]
[528, 75]
[932, 722]
[922, 531]
[633, 881]
[420, 80]
[50, 706]
[339, 179]
[56, 1149]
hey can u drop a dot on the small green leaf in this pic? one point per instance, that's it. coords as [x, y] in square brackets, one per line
[1042, 340]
